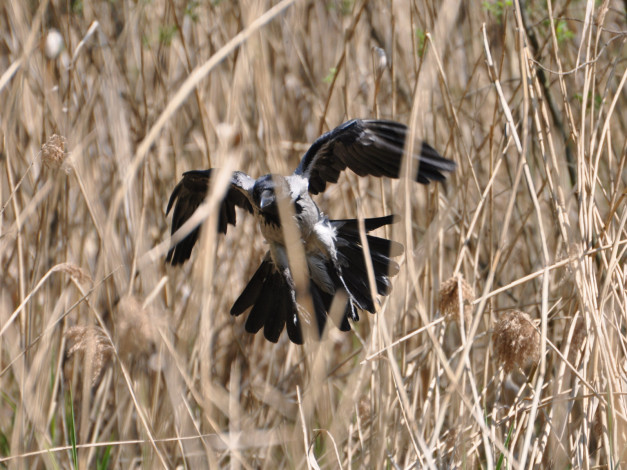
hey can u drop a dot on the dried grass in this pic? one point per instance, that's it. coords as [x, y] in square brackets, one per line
[529, 101]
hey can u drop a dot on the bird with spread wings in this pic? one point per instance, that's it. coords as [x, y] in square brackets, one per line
[334, 254]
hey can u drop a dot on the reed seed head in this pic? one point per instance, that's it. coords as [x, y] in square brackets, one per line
[90, 344]
[137, 328]
[53, 152]
[516, 340]
[449, 299]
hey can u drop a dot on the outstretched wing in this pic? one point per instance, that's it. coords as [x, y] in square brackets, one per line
[189, 193]
[368, 147]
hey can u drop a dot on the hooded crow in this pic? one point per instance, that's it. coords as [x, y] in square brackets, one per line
[334, 254]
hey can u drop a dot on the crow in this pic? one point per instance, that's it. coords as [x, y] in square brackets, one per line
[335, 256]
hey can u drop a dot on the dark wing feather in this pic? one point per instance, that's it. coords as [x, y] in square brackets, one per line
[189, 193]
[368, 147]
[351, 257]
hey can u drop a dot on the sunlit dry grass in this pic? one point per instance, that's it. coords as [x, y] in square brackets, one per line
[111, 359]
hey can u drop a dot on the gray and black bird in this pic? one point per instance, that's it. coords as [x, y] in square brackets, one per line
[333, 249]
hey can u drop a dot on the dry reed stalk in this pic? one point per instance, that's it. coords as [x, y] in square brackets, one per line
[534, 217]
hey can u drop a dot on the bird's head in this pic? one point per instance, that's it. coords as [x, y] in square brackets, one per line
[267, 191]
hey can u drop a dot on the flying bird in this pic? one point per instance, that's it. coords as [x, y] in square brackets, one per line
[335, 256]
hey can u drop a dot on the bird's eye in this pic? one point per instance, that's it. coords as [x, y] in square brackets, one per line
[298, 208]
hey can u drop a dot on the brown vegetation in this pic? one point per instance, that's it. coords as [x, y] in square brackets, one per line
[111, 359]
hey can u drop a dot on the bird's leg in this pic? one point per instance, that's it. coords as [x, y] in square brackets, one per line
[349, 298]
[287, 275]
[307, 323]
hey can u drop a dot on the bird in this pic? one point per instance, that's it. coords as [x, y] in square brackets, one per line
[333, 250]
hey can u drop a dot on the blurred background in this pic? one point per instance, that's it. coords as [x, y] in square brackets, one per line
[503, 341]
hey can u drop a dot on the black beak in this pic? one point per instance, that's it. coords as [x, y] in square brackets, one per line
[267, 200]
